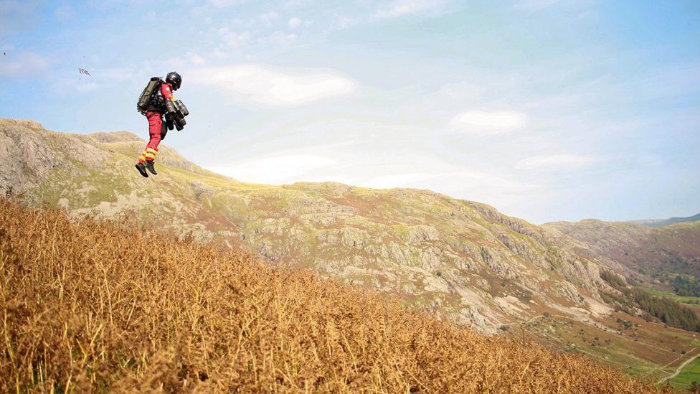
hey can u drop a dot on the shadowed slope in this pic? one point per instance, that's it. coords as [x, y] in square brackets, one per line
[95, 305]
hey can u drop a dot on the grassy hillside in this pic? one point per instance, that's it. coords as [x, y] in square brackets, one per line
[107, 306]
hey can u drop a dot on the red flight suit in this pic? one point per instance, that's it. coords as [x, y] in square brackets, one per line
[155, 126]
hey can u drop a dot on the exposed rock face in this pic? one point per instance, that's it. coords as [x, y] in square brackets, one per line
[25, 159]
[462, 260]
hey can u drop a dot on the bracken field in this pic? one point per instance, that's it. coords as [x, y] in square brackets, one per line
[105, 306]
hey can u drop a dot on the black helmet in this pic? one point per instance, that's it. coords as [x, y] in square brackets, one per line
[174, 79]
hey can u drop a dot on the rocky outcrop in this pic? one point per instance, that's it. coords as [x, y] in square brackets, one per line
[30, 154]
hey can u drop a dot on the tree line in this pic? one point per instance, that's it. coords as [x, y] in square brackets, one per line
[664, 309]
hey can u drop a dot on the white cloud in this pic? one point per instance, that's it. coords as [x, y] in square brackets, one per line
[195, 58]
[554, 162]
[488, 122]
[414, 179]
[460, 182]
[399, 8]
[275, 86]
[275, 169]
[233, 38]
[219, 54]
[268, 18]
[328, 163]
[22, 64]
[279, 37]
[294, 23]
[341, 22]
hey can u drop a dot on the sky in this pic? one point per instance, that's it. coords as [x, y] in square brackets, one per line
[545, 109]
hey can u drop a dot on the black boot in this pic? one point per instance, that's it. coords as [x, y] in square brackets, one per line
[149, 165]
[142, 169]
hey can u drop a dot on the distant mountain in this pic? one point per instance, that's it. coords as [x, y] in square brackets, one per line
[652, 255]
[666, 222]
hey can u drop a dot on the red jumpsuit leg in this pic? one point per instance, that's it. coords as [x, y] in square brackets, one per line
[155, 124]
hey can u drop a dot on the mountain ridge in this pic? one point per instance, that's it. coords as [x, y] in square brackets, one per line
[668, 221]
[648, 254]
[643, 222]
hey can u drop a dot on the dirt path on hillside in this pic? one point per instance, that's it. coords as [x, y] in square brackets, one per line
[679, 369]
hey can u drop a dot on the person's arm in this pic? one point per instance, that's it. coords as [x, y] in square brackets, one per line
[167, 92]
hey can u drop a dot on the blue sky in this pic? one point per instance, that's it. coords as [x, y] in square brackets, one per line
[546, 109]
